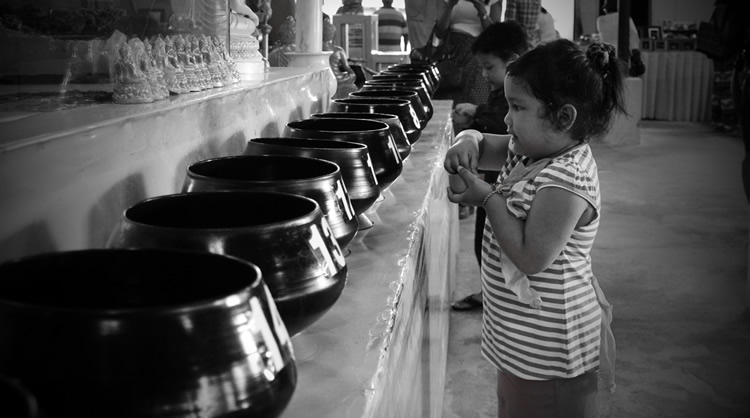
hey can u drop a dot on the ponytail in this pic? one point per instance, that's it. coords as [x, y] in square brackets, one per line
[604, 61]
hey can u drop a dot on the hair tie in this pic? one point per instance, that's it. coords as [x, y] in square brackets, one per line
[599, 55]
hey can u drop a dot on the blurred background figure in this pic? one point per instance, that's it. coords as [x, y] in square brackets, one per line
[546, 24]
[286, 43]
[350, 7]
[525, 12]
[420, 19]
[356, 32]
[457, 29]
[345, 75]
[391, 28]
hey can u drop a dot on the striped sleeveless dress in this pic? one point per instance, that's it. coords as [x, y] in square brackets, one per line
[562, 339]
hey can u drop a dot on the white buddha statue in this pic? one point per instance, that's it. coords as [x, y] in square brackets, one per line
[213, 19]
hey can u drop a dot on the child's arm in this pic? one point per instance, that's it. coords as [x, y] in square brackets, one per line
[494, 151]
[533, 244]
[444, 21]
[475, 150]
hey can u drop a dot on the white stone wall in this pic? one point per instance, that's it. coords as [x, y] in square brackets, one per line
[66, 177]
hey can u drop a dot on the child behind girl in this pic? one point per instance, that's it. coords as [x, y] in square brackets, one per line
[497, 45]
[547, 358]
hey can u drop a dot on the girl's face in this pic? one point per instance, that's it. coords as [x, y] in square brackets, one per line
[532, 136]
[493, 69]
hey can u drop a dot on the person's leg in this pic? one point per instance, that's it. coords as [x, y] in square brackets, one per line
[576, 397]
[558, 398]
[741, 97]
[474, 300]
[478, 234]
[723, 113]
[520, 398]
[502, 407]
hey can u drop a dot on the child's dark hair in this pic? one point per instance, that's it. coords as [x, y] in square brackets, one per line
[505, 40]
[560, 72]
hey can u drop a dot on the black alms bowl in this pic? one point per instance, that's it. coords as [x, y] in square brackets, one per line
[317, 179]
[142, 333]
[384, 154]
[285, 235]
[399, 107]
[352, 158]
[393, 122]
[416, 103]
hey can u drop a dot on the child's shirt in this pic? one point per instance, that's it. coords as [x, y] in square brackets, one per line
[490, 117]
[562, 339]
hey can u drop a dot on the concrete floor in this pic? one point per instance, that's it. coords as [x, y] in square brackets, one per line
[671, 256]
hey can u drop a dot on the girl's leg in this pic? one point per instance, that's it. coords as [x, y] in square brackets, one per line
[558, 398]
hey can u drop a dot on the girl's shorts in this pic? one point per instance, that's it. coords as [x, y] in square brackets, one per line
[557, 398]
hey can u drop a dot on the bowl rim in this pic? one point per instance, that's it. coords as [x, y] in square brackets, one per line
[333, 173]
[306, 218]
[376, 125]
[373, 100]
[349, 145]
[243, 292]
[364, 115]
[397, 92]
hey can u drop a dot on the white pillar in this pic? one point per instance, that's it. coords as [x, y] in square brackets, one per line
[309, 17]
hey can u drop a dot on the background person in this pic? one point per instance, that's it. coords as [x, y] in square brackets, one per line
[350, 7]
[345, 75]
[738, 30]
[546, 24]
[391, 28]
[356, 32]
[525, 12]
[458, 27]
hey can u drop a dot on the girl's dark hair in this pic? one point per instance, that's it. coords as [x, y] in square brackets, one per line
[505, 40]
[560, 72]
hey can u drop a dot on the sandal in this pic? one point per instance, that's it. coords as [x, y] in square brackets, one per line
[469, 303]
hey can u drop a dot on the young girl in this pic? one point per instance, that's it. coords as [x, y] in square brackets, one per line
[542, 217]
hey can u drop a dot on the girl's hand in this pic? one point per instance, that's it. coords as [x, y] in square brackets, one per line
[476, 189]
[464, 153]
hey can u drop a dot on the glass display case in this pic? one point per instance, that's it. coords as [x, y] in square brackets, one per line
[63, 54]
